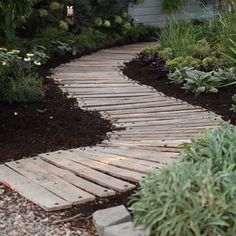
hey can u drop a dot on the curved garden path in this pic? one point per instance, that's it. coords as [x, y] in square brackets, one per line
[152, 129]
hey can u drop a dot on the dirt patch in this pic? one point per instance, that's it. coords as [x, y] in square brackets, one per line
[219, 103]
[56, 123]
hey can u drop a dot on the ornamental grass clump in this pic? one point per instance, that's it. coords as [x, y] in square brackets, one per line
[218, 145]
[187, 199]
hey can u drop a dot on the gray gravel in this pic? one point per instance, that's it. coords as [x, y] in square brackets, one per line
[19, 217]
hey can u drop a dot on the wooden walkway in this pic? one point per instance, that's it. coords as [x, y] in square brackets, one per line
[153, 127]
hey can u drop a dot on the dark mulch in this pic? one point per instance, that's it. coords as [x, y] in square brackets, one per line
[54, 124]
[220, 103]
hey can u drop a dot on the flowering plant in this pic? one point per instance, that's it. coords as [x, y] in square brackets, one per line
[18, 77]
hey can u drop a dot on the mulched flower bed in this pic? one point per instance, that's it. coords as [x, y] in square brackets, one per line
[54, 124]
[219, 103]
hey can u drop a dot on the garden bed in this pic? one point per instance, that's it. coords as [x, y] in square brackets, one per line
[28, 129]
[220, 103]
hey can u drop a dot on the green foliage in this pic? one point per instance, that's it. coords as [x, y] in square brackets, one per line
[13, 14]
[166, 53]
[209, 30]
[138, 32]
[217, 145]
[25, 90]
[181, 62]
[178, 36]
[231, 55]
[195, 196]
[179, 75]
[233, 108]
[90, 40]
[198, 82]
[227, 76]
[210, 63]
[173, 6]
[187, 199]
[17, 76]
[201, 49]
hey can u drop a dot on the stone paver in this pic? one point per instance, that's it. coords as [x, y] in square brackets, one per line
[109, 217]
[125, 229]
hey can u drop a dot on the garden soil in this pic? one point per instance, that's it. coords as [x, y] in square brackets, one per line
[220, 103]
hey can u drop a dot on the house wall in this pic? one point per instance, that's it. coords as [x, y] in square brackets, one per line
[150, 12]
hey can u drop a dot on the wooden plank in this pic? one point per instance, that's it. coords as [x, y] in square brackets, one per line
[32, 191]
[53, 183]
[159, 157]
[153, 109]
[113, 107]
[75, 180]
[151, 114]
[104, 90]
[110, 168]
[122, 162]
[87, 173]
[98, 96]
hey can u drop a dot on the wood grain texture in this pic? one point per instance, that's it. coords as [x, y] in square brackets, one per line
[151, 131]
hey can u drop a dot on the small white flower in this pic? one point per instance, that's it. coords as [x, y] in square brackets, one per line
[29, 54]
[37, 63]
[15, 113]
[27, 59]
[51, 117]
[4, 63]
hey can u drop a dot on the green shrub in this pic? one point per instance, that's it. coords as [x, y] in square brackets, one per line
[210, 63]
[226, 76]
[210, 30]
[198, 82]
[26, 90]
[233, 108]
[201, 49]
[217, 145]
[181, 62]
[138, 33]
[18, 76]
[187, 199]
[166, 53]
[231, 55]
[179, 75]
[173, 6]
[178, 36]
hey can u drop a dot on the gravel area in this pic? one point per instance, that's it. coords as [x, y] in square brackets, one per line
[20, 217]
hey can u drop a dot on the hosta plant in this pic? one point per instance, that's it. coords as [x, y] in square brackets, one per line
[187, 199]
[198, 82]
[179, 75]
[218, 145]
[227, 76]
